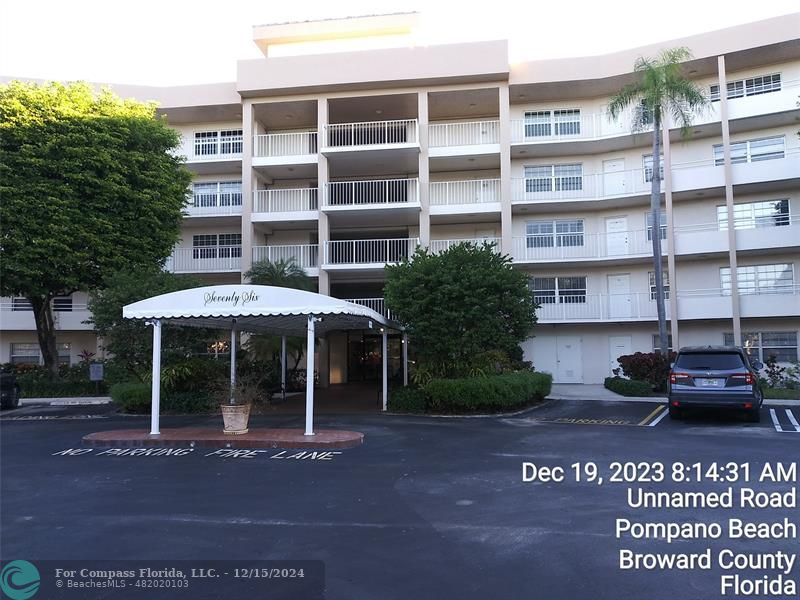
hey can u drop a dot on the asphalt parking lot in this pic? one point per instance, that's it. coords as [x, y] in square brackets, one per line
[426, 508]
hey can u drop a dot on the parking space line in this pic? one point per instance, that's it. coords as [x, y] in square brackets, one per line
[792, 419]
[775, 420]
[658, 419]
[652, 415]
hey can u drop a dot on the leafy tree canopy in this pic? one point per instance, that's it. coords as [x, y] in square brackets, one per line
[89, 185]
[460, 304]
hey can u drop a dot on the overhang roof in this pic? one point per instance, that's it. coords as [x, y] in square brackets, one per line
[255, 308]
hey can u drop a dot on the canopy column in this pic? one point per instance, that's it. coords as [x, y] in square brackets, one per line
[385, 359]
[233, 361]
[310, 375]
[155, 409]
[405, 359]
[283, 366]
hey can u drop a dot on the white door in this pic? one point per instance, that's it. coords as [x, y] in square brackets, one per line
[569, 368]
[618, 346]
[619, 296]
[617, 236]
[614, 177]
[542, 351]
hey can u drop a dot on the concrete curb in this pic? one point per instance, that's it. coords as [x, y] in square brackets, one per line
[651, 399]
[78, 401]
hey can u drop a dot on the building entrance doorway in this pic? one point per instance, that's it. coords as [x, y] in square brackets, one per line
[364, 356]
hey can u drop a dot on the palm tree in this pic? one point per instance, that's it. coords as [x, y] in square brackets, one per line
[660, 90]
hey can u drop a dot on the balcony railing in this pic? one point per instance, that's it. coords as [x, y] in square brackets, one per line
[376, 304]
[369, 252]
[562, 127]
[285, 144]
[206, 205]
[205, 259]
[474, 191]
[304, 255]
[560, 246]
[581, 187]
[372, 133]
[221, 147]
[363, 193]
[597, 307]
[285, 200]
[464, 134]
[442, 245]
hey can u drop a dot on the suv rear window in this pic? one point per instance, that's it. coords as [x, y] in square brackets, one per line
[709, 361]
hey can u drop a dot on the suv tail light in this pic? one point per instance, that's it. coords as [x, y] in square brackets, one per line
[748, 377]
[675, 377]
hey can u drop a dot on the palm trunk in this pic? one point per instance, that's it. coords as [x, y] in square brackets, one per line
[45, 332]
[655, 209]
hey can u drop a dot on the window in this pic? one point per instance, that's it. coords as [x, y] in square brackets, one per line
[652, 279]
[751, 150]
[657, 342]
[20, 304]
[223, 245]
[230, 141]
[205, 246]
[217, 193]
[648, 220]
[548, 178]
[558, 290]
[760, 345]
[647, 161]
[754, 86]
[558, 233]
[759, 279]
[209, 143]
[752, 215]
[205, 143]
[230, 245]
[29, 354]
[62, 304]
[644, 114]
[544, 123]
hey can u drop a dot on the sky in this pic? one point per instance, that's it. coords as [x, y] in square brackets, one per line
[175, 42]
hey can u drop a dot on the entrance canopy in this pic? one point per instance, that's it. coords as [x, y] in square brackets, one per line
[258, 309]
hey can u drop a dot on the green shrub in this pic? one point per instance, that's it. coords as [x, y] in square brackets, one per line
[59, 389]
[188, 402]
[628, 387]
[651, 367]
[407, 399]
[486, 394]
[781, 393]
[132, 397]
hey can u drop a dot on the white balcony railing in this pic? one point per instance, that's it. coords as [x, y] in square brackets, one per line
[369, 252]
[561, 246]
[597, 307]
[464, 134]
[376, 304]
[208, 205]
[205, 259]
[304, 255]
[372, 133]
[285, 200]
[474, 191]
[564, 126]
[285, 144]
[581, 187]
[380, 191]
[18, 316]
[219, 147]
[442, 245]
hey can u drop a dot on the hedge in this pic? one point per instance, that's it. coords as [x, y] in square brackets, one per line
[628, 387]
[781, 393]
[474, 394]
[135, 398]
[59, 389]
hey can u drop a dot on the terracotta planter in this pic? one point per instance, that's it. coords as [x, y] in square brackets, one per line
[235, 417]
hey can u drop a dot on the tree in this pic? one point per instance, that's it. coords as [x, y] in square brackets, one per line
[281, 273]
[131, 341]
[660, 89]
[459, 305]
[90, 186]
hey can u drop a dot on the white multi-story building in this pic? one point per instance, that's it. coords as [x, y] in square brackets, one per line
[348, 145]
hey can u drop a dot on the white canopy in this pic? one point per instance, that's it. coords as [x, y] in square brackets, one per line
[256, 308]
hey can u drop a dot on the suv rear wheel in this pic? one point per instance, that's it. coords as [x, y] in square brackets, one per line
[753, 415]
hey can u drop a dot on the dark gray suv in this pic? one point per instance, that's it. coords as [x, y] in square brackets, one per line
[715, 377]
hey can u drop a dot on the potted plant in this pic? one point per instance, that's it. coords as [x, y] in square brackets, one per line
[235, 404]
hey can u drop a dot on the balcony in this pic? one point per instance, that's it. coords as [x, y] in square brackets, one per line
[598, 307]
[479, 197]
[376, 304]
[775, 233]
[586, 187]
[761, 108]
[442, 245]
[220, 204]
[581, 247]
[716, 303]
[274, 152]
[19, 318]
[304, 255]
[205, 259]
[373, 202]
[367, 147]
[290, 204]
[478, 140]
[214, 154]
[367, 254]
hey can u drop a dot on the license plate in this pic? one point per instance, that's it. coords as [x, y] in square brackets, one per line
[711, 382]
